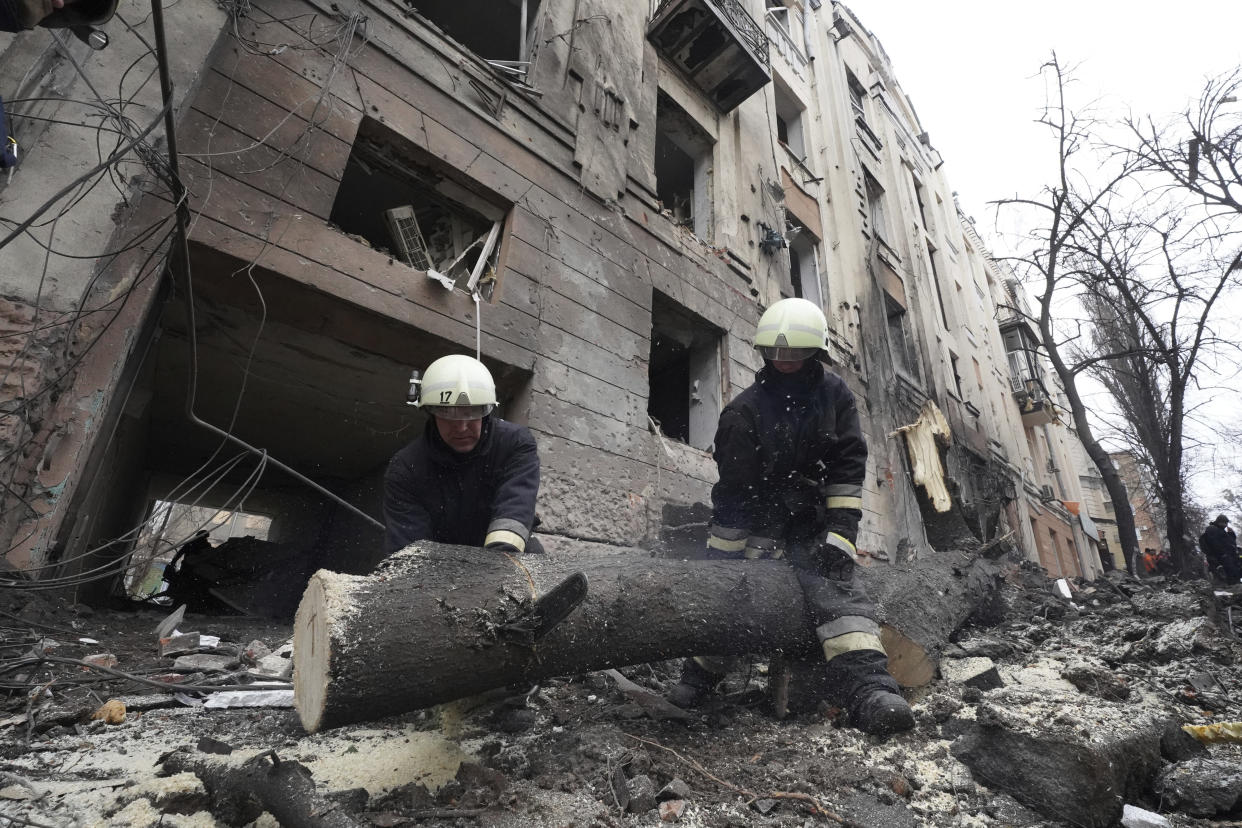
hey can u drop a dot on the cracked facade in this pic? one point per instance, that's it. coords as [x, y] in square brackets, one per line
[601, 197]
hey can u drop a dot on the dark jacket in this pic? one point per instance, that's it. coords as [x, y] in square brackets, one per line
[434, 493]
[791, 457]
[1220, 546]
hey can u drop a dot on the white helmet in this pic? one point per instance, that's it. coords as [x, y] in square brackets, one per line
[457, 387]
[790, 330]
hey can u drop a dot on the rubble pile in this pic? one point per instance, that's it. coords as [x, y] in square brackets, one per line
[1110, 707]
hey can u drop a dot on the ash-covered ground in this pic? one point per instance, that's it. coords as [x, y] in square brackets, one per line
[1063, 713]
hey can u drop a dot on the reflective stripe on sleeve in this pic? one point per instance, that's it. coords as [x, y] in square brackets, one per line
[726, 544]
[839, 502]
[505, 536]
[850, 642]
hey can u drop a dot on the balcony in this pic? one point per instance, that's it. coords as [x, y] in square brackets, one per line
[716, 44]
[783, 42]
[1035, 409]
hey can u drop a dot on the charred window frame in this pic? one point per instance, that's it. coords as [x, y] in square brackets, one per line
[499, 31]
[400, 199]
[685, 379]
[875, 205]
[932, 254]
[858, 96]
[683, 167]
[804, 262]
[901, 338]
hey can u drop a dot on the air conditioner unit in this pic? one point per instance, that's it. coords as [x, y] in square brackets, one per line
[1015, 384]
[1046, 494]
[406, 235]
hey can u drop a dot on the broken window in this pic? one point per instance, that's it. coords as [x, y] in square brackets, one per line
[900, 338]
[171, 524]
[875, 205]
[789, 121]
[803, 261]
[684, 395]
[858, 96]
[400, 199]
[497, 30]
[935, 272]
[918, 200]
[957, 375]
[683, 167]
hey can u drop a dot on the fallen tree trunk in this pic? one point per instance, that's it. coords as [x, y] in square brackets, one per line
[429, 625]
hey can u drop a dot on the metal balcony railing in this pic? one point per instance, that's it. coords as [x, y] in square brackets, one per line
[716, 44]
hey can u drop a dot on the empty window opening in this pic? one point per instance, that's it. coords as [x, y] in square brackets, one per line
[171, 524]
[684, 374]
[401, 200]
[957, 375]
[858, 95]
[496, 30]
[935, 272]
[789, 113]
[683, 167]
[875, 205]
[803, 262]
[922, 205]
[900, 338]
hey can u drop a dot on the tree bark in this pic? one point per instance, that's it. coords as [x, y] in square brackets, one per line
[284, 789]
[429, 625]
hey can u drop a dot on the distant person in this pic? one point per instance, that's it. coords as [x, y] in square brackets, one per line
[471, 478]
[792, 456]
[1220, 547]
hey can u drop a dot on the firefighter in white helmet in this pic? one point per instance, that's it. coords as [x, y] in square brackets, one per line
[791, 457]
[470, 478]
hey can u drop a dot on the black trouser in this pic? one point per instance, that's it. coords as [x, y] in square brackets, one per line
[837, 606]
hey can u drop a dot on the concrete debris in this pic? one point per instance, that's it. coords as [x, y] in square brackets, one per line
[675, 789]
[1093, 727]
[1092, 754]
[165, 628]
[279, 696]
[1096, 679]
[101, 660]
[978, 672]
[180, 644]
[1202, 787]
[642, 794]
[278, 664]
[1132, 817]
[204, 662]
[672, 809]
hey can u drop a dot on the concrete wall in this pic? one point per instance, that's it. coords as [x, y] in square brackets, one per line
[68, 282]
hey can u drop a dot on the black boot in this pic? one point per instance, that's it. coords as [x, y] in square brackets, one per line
[694, 685]
[869, 694]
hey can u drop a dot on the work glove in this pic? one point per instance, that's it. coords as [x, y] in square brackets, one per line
[837, 556]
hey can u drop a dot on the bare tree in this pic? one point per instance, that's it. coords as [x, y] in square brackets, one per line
[1050, 263]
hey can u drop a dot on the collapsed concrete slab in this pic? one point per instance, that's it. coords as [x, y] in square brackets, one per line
[1201, 786]
[1061, 759]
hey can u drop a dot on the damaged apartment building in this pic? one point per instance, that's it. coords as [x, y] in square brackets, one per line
[599, 198]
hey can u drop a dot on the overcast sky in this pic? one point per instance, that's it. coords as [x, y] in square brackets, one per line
[971, 69]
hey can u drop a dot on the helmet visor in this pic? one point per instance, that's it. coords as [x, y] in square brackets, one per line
[777, 354]
[459, 412]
